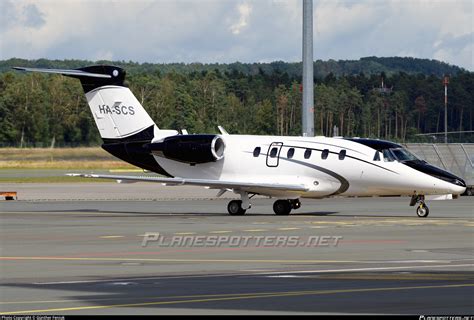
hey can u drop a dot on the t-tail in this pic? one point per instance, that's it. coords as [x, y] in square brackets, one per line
[124, 125]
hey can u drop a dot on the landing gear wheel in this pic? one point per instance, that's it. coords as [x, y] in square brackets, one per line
[422, 211]
[295, 203]
[282, 207]
[235, 208]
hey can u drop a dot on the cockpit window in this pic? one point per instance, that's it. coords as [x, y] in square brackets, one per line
[387, 156]
[399, 154]
[377, 156]
[402, 154]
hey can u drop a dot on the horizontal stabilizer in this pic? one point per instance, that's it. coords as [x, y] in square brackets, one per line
[66, 72]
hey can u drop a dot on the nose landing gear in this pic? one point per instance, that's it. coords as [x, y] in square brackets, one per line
[422, 210]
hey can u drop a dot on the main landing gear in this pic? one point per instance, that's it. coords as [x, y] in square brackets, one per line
[235, 208]
[280, 207]
[422, 210]
[239, 207]
[283, 207]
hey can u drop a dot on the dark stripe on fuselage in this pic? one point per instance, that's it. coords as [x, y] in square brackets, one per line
[344, 183]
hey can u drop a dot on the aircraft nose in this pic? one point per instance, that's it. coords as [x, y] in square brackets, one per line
[457, 184]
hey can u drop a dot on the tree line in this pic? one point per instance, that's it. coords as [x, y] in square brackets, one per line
[51, 110]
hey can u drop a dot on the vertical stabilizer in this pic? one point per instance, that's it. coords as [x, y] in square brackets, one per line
[123, 123]
[116, 111]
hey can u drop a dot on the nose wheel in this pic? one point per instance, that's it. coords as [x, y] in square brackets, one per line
[422, 210]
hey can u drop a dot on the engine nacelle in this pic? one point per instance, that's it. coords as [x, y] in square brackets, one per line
[190, 148]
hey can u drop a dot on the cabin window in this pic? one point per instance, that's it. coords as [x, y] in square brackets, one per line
[307, 153]
[324, 154]
[256, 151]
[377, 156]
[342, 154]
[291, 153]
[273, 152]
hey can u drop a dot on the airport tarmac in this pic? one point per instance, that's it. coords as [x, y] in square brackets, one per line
[85, 255]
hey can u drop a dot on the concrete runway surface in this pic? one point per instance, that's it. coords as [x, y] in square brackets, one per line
[83, 253]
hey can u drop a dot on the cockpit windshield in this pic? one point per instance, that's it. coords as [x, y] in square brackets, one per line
[395, 154]
[402, 154]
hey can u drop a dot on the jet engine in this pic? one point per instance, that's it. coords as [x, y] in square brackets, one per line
[190, 148]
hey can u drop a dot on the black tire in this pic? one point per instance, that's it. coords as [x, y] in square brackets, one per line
[282, 207]
[235, 208]
[422, 211]
[295, 204]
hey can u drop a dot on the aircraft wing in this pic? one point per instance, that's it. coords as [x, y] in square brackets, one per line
[213, 184]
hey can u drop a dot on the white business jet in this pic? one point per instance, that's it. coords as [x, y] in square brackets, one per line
[285, 168]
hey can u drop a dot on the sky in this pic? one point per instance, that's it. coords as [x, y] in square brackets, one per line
[225, 31]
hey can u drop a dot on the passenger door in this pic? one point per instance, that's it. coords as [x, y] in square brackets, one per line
[273, 154]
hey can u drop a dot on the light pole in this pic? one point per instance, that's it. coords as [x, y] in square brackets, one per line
[446, 82]
[308, 82]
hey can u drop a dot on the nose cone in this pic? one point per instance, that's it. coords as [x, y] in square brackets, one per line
[458, 189]
[457, 184]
